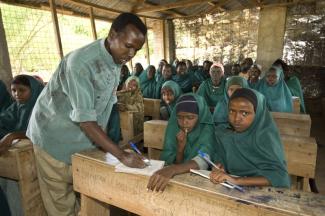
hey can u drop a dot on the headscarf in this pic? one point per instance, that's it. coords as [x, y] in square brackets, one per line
[16, 116]
[258, 151]
[184, 81]
[220, 114]
[278, 97]
[5, 98]
[148, 87]
[293, 84]
[201, 137]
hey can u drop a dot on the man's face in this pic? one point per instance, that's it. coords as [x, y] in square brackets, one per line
[124, 45]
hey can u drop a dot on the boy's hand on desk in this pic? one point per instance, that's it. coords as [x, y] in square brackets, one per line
[133, 160]
[159, 180]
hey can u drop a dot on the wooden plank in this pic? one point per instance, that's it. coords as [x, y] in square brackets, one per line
[154, 133]
[147, 44]
[56, 28]
[127, 127]
[151, 107]
[92, 22]
[185, 194]
[296, 105]
[293, 124]
[176, 4]
[90, 206]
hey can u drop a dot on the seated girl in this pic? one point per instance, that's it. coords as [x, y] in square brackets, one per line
[5, 99]
[249, 146]
[212, 89]
[137, 70]
[148, 82]
[183, 78]
[292, 82]
[165, 76]
[190, 128]
[13, 124]
[220, 114]
[277, 94]
[130, 99]
[170, 93]
[254, 74]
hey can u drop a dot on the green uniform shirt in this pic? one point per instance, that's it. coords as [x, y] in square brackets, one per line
[83, 88]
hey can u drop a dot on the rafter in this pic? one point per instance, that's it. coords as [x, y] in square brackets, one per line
[177, 4]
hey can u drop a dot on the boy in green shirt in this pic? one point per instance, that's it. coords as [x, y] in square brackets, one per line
[72, 112]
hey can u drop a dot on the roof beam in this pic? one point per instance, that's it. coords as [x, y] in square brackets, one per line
[146, 3]
[177, 4]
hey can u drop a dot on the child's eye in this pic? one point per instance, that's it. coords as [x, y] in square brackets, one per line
[245, 114]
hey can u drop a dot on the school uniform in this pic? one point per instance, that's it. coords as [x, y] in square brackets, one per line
[212, 94]
[293, 84]
[166, 109]
[5, 98]
[278, 97]
[220, 114]
[148, 87]
[82, 89]
[201, 137]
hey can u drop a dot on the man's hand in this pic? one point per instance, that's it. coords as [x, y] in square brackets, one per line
[133, 160]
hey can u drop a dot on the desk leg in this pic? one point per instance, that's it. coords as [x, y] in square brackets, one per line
[90, 206]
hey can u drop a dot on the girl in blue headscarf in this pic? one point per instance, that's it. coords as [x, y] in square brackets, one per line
[170, 92]
[277, 94]
[5, 99]
[148, 82]
[183, 78]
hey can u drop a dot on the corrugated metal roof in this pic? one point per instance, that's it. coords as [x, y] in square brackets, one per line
[109, 9]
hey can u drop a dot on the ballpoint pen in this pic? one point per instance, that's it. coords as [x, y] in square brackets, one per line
[226, 183]
[145, 160]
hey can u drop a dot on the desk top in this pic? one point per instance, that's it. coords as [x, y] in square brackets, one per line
[282, 201]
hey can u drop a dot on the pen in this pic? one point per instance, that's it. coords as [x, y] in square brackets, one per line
[227, 183]
[145, 160]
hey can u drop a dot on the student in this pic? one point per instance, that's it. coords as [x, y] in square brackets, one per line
[235, 69]
[190, 128]
[13, 124]
[292, 82]
[212, 89]
[220, 114]
[125, 73]
[158, 74]
[131, 99]
[72, 112]
[5, 99]
[189, 65]
[245, 66]
[254, 74]
[137, 70]
[148, 82]
[249, 146]
[170, 93]
[166, 75]
[183, 78]
[277, 94]
[202, 73]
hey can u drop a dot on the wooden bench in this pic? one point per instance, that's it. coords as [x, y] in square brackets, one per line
[19, 164]
[152, 108]
[300, 152]
[186, 194]
[127, 128]
[292, 123]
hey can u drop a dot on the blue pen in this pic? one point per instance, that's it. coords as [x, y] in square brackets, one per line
[145, 160]
[206, 158]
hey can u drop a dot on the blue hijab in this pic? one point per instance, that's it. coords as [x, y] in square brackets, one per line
[15, 118]
[5, 98]
[278, 97]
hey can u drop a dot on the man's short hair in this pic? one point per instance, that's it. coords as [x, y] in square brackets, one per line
[124, 19]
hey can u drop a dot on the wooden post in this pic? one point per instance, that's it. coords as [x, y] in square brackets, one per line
[5, 67]
[164, 38]
[147, 44]
[56, 28]
[92, 22]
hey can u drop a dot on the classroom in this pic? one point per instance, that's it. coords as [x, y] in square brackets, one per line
[149, 107]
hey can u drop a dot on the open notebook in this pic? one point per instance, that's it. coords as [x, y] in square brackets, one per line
[148, 171]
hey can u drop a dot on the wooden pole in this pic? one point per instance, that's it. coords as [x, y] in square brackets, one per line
[147, 43]
[164, 37]
[92, 22]
[56, 28]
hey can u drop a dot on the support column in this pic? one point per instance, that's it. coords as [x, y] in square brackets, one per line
[147, 43]
[170, 41]
[5, 67]
[56, 28]
[92, 22]
[270, 35]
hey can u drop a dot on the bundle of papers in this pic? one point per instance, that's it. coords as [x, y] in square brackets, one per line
[148, 170]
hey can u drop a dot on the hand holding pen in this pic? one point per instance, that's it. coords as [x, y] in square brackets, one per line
[226, 183]
[145, 160]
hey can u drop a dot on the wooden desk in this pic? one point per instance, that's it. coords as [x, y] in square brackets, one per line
[186, 194]
[152, 107]
[19, 164]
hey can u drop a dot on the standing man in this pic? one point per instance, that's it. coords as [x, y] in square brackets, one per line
[72, 112]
